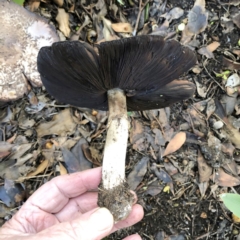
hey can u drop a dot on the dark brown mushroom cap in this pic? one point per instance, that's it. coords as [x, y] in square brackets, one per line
[142, 66]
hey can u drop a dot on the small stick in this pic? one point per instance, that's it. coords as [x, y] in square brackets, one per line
[139, 15]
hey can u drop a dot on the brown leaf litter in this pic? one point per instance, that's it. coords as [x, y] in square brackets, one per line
[41, 138]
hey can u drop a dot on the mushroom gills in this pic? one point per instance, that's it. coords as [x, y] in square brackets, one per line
[136, 73]
[74, 73]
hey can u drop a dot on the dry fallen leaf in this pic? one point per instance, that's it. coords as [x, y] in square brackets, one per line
[62, 169]
[204, 169]
[170, 168]
[136, 175]
[213, 46]
[174, 13]
[229, 64]
[61, 124]
[235, 219]
[122, 27]
[163, 176]
[197, 21]
[236, 51]
[32, 5]
[136, 131]
[231, 167]
[203, 215]
[164, 117]
[203, 188]
[91, 154]
[154, 188]
[197, 17]
[230, 2]
[11, 139]
[12, 193]
[5, 148]
[159, 139]
[161, 30]
[62, 19]
[225, 180]
[210, 108]
[232, 133]
[197, 69]
[4, 211]
[236, 19]
[175, 143]
[19, 150]
[43, 165]
[107, 31]
[231, 91]
[201, 89]
[208, 50]
[228, 148]
[71, 162]
[59, 2]
[77, 151]
[229, 103]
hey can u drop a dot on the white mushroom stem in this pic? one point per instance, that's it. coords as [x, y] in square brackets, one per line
[113, 168]
[114, 191]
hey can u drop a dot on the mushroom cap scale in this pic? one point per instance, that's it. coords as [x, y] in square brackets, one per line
[22, 34]
[144, 67]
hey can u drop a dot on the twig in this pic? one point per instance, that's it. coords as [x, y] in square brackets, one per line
[160, 125]
[213, 77]
[38, 176]
[139, 15]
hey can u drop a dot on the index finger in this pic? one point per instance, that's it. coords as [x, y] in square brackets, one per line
[55, 194]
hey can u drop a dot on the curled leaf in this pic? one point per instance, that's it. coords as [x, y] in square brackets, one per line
[229, 64]
[175, 143]
[122, 27]
[63, 22]
[43, 165]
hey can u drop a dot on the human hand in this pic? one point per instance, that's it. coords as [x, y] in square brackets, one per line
[66, 208]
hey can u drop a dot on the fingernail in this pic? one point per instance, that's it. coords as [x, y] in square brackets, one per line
[102, 219]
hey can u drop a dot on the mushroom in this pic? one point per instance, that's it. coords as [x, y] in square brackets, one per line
[132, 74]
[22, 34]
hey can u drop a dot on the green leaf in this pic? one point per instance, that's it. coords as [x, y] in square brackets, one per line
[19, 2]
[224, 74]
[121, 2]
[146, 13]
[232, 202]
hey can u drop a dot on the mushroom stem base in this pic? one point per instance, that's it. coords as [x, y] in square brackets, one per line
[118, 200]
[114, 193]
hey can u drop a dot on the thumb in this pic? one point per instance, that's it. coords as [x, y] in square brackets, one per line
[93, 225]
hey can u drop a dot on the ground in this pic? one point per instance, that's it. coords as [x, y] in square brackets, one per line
[179, 190]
